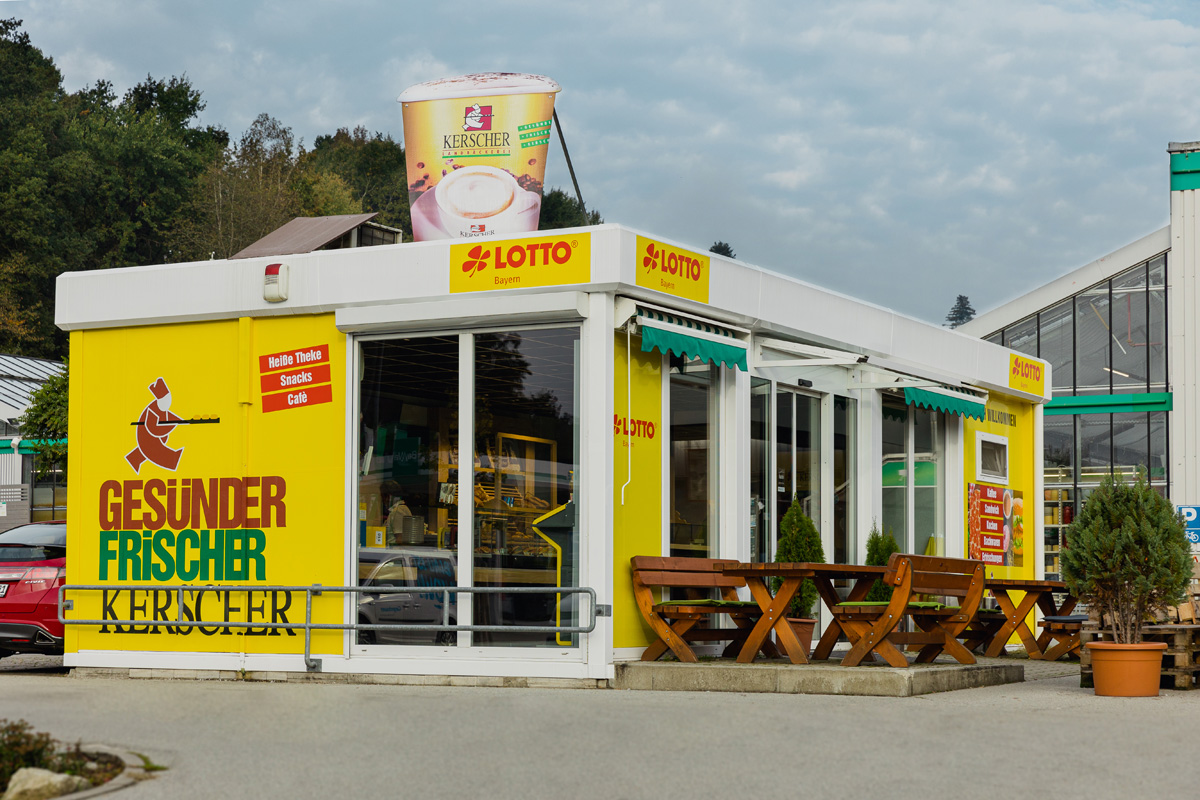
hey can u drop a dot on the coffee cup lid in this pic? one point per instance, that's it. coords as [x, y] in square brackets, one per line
[481, 84]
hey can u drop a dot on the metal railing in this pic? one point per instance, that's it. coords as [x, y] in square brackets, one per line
[308, 626]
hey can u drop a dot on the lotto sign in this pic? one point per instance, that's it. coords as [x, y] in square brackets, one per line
[1026, 374]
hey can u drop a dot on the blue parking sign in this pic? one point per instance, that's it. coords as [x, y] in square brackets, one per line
[1191, 524]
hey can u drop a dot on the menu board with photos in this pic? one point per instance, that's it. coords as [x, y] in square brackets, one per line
[995, 525]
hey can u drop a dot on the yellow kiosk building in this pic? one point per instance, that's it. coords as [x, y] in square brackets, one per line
[267, 442]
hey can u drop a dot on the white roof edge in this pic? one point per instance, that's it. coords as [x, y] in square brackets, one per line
[751, 297]
[1072, 283]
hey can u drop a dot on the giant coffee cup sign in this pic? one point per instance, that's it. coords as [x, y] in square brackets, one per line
[476, 150]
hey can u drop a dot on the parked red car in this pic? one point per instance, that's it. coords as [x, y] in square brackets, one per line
[33, 564]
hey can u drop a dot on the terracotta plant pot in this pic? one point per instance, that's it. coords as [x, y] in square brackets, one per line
[1126, 670]
[803, 629]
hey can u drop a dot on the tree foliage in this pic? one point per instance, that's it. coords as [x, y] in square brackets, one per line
[722, 249]
[880, 547]
[561, 210]
[1127, 554]
[45, 422]
[799, 541]
[90, 180]
[961, 312]
[372, 167]
[87, 181]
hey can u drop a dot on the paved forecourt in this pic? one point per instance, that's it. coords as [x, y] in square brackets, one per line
[235, 739]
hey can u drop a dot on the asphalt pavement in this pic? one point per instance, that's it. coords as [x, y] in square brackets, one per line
[227, 739]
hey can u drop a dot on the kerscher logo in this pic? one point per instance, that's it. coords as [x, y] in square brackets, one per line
[154, 427]
[477, 118]
[544, 261]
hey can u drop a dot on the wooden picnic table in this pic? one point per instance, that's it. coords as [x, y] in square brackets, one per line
[1039, 593]
[774, 609]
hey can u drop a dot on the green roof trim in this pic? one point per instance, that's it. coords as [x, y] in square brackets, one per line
[966, 406]
[1185, 171]
[6, 447]
[681, 344]
[1109, 404]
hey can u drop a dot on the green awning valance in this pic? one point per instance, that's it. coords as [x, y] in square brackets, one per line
[24, 446]
[1109, 404]
[964, 405]
[690, 339]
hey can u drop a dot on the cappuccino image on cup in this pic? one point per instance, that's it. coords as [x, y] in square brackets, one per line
[478, 136]
[475, 202]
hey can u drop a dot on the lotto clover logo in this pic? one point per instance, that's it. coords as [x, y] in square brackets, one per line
[650, 262]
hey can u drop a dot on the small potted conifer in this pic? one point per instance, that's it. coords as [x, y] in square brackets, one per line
[799, 541]
[1127, 556]
[880, 547]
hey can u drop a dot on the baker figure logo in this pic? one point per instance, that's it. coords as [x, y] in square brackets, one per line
[477, 118]
[154, 426]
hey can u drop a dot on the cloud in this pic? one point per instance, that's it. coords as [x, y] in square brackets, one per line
[904, 152]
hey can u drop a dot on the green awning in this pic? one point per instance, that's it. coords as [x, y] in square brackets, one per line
[1109, 404]
[24, 447]
[690, 339]
[963, 405]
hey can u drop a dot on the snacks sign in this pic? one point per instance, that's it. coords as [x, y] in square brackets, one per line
[672, 270]
[476, 148]
[521, 263]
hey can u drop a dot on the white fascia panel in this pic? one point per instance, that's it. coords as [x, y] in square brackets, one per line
[1072, 283]
[463, 312]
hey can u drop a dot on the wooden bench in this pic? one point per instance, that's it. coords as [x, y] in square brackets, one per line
[872, 627]
[678, 622]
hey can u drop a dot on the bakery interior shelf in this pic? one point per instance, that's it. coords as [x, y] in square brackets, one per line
[1058, 508]
[510, 492]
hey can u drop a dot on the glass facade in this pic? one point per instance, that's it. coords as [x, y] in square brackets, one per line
[520, 464]
[787, 428]
[694, 457]
[1110, 339]
[913, 477]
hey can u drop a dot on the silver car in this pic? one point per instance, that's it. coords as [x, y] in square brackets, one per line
[405, 567]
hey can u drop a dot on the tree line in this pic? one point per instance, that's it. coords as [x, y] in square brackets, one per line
[90, 180]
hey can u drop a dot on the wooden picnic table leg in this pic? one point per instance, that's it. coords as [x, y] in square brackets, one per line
[774, 616]
[868, 638]
[673, 637]
[949, 645]
[1045, 641]
[745, 625]
[830, 598]
[1014, 621]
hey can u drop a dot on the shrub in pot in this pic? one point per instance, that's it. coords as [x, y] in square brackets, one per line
[1127, 556]
[880, 547]
[799, 541]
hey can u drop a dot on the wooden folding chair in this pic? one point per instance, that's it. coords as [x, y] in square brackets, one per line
[873, 627]
[677, 622]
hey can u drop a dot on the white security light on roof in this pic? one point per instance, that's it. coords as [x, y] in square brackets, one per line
[275, 283]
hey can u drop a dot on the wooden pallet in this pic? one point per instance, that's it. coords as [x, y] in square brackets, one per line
[1181, 661]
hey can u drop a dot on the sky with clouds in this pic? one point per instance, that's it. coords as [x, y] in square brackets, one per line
[900, 152]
